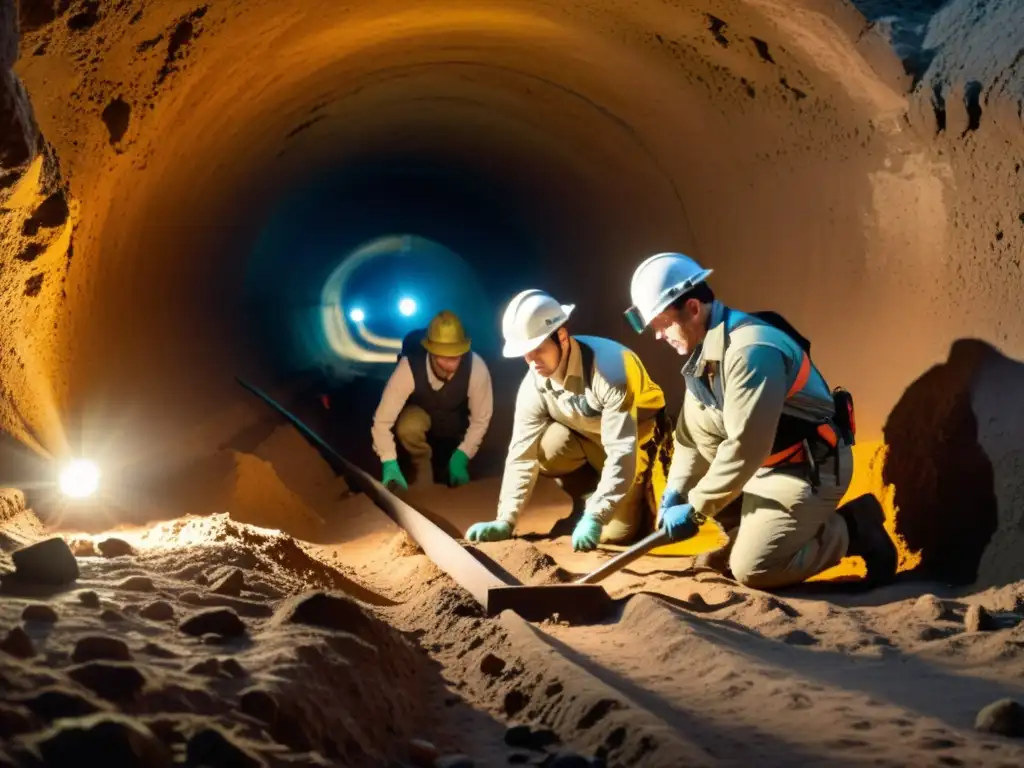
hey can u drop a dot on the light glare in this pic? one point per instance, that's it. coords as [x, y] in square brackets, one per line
[79, 479]
[407, 306]
[357, 315]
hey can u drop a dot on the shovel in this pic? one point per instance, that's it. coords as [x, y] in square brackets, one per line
[620, 561]
[573, 603]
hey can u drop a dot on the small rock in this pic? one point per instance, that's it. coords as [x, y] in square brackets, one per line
[18, 644]
[209, 668]
[218, 621]
[154, 649]
[49, 562]
[1004, 717]
[696, 599]
[515, 700]
[114, 547]
[44, 614]
[167, 729]
[160, 610]
[111, 615]
[232, 584]
[110, 680]
[977, 619]
[54, 703]
[233, 668]
[14, 721]
[454, 761]
[82, 547]
[89, 599]
[422, 753]
[569, 760]
[330, 610]
[259, 704]
[799, 637]
[491, 665]
[102, 739]
[201, 579]
[524, 737]
[211, 746]
[100, 647]
[137, 584]
[930, 608]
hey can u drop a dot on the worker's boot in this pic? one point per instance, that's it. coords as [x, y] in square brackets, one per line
[869, 539]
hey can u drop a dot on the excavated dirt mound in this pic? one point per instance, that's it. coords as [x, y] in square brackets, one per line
[245, 485]
[215, 640]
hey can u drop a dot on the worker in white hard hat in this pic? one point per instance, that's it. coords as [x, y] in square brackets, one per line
[757, 425]
[439, 401]
[586, 407]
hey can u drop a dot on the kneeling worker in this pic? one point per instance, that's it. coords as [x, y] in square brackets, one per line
[586, 404]
[757, 423]
[439, 402]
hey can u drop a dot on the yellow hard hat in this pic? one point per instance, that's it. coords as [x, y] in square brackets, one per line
[446, 336]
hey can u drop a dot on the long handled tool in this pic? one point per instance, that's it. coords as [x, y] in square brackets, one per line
[574, 603]
[620, 561]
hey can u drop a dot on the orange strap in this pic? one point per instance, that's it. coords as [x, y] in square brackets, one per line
[795, 453]
[801, 376]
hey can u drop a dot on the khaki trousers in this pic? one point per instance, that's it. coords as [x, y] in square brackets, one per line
[411, 430]
[780, 532]
[578, 462]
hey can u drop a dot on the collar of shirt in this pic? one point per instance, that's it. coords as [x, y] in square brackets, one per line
[573, 383]
[712, 349]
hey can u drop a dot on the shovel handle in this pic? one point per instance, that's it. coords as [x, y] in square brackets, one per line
[623, 559]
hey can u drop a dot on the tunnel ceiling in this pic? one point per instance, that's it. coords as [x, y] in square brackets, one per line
[782, 143]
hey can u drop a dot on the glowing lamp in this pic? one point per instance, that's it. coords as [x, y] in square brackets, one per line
[79, 479]
[357, 315]
[407, 306]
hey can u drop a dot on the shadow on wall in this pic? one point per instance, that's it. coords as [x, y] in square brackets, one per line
[954, 442]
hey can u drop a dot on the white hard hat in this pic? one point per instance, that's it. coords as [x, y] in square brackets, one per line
[657, 282]
[530, 318]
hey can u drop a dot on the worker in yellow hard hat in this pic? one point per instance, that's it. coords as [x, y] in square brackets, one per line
[438, 401]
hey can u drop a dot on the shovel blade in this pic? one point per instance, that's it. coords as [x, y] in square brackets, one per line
[573, 603]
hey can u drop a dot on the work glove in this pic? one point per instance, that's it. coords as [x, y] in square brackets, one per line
[586, 535]
[669, 499]
[497, 530]
[458, 469]
[678, 521]
[391, 475]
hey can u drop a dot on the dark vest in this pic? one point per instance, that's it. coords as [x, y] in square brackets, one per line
[448, 407]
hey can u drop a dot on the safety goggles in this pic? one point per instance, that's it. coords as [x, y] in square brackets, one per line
[635, 319]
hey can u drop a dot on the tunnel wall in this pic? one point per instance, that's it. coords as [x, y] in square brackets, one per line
[872, 197]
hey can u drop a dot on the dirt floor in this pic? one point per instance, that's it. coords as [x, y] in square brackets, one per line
[228, 644]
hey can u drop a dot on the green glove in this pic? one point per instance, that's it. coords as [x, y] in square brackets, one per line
[392, 475]
[458, 469]
[587, 534]
[498, 530]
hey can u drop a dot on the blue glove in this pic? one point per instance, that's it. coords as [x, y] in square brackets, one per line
[669, 499]
[586, 534]
[498, 530]
[678, 522]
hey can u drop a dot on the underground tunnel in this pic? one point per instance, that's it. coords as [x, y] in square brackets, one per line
[183, 184]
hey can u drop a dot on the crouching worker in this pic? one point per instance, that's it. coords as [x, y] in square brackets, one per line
[439, 402]
[587, 414]
[760, 433]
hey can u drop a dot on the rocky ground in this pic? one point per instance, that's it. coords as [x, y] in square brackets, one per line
[206, 641]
